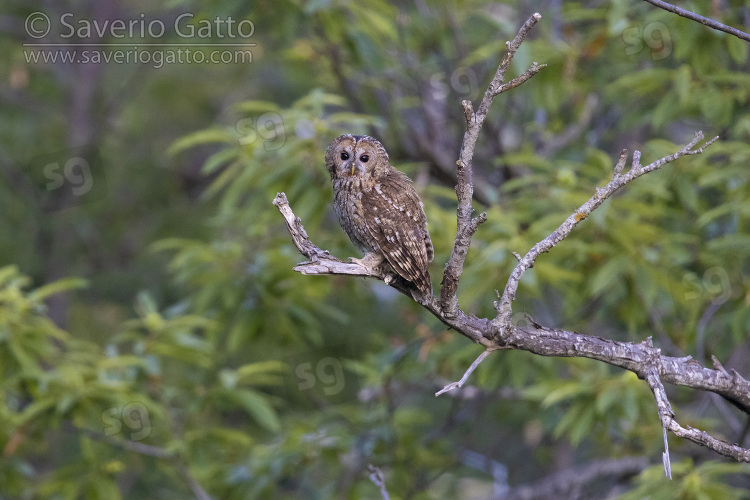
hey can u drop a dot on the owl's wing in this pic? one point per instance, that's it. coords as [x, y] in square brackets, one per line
[395, 219]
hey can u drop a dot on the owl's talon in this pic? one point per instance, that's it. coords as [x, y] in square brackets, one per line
[371, 261]
[354, 260]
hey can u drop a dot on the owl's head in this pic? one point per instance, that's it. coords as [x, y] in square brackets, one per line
[356, 155]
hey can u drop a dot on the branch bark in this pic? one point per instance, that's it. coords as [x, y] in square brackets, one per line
[378, 479]
[641, 358]
[703, 20]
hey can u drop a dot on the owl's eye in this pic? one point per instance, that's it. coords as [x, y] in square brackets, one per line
[364, 158]
[344, 155]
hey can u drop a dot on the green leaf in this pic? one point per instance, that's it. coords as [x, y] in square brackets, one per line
[257, 406]
[738, 49]
[208, 136]
[256, 107]
[222, 435]
[665, 110]
[567, 391]
[606, 399]
[583, 424]
[609, 274]
[9, 272]
[21, 356]
[58, 286]
[255, 372]
[219, 160]
[33, 410]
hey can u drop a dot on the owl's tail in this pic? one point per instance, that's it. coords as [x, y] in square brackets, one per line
[424, 285]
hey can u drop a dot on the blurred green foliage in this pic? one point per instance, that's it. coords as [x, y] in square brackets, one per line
[154, 338]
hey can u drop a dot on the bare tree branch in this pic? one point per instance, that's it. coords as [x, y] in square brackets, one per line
[466, 225]
[619, 179]
[641, 358]
[460, 383]
[322, 262]
[703, 20]
[647, 362]
[666, 415]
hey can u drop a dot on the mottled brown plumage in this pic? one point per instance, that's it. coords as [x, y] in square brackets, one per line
[379, 208]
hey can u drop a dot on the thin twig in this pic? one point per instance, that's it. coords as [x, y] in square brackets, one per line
[703, 20]
[666, 415]
[377, 477]
[134, 446]
[504, 305]
[460, 383]
[193, 484]
[466, 226]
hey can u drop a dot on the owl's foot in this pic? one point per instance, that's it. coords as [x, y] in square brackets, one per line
[371, 261]
[390, 278]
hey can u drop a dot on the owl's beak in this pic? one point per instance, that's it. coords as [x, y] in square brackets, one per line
[353, 167]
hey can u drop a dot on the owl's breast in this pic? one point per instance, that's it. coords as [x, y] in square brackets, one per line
[347, 201]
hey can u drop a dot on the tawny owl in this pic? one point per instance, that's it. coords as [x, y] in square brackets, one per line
[379, 208]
